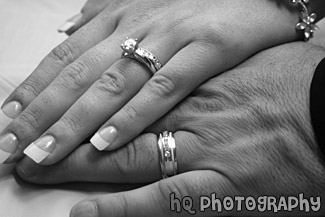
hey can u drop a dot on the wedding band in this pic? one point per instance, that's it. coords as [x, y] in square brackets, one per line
[132, 50]
[167, 154]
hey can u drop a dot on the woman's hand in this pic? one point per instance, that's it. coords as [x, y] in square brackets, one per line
[84, 85]
[246, 132]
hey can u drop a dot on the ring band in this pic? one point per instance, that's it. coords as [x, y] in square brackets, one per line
[167, 154]
[132, 50]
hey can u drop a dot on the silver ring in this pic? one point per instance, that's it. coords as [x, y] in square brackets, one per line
[167, 154]
[132, 50]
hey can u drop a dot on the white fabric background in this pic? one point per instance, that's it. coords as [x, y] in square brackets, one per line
[27, 34]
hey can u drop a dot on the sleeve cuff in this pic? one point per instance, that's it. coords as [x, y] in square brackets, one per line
[317, 104]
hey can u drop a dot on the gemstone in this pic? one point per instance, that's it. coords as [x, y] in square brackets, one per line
[130, 45]
[167, 154]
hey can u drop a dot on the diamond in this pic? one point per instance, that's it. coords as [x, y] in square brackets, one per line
[167, 154]
[130, 45]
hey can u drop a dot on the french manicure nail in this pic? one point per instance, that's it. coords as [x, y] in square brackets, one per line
[12, 109]
[40, 149]
[70, 23]
[104, 137]
[8, 146]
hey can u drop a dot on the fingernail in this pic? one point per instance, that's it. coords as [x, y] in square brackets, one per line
[8, 146]
[70, 23]
[84, 209]
[40, 149]
[104, 137]
[12, 109]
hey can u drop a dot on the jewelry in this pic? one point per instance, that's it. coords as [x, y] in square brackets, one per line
[132, 50]
[307, 20]
[167, 154]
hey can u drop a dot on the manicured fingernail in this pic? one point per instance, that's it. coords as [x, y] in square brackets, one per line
[8, 146]
[70, 23]
[84, 209]
[40, 149]
[104, 137]
[12, 109]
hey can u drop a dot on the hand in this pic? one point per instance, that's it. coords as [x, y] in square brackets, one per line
[246, 132]
[84, 85]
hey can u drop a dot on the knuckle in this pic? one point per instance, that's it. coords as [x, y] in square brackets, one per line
[138, 151]
[31, 118]
[162, 85]
[126, 207]
[71, 124]
[129, 160]
[131, 154]
[27, 89]
[111, 83]
[75, 77]
[165, 189]
[124, 160]
[216, 36]
[130, 113]
[64, 53]
[70, 164]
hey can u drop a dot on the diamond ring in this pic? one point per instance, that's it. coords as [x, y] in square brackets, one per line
[132, 50]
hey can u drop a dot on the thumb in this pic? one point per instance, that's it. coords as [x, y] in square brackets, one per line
[175, 196]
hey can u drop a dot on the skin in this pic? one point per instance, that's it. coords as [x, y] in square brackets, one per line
[85, 76]
[93, 7]
[246, 132]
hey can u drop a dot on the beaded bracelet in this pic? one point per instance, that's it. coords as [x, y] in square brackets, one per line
[307, 20]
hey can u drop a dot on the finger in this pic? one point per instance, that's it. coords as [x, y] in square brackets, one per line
[106, 96]
[51, 104]
[60, 95]
[179, 195]
[60, 57]
[137, 162]
[75, 21]
[181, 75]
[91, 9]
